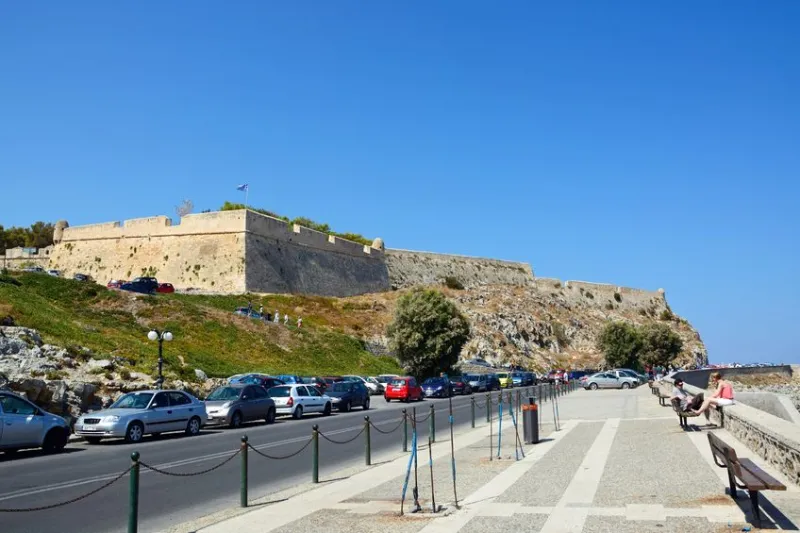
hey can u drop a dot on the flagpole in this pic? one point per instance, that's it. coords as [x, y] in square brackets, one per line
[246, 192]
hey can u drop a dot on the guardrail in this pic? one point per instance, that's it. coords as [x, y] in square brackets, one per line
[545, 392]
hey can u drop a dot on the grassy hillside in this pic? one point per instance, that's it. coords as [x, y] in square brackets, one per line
[207, 335]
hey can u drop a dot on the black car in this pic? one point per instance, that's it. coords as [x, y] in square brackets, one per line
[81, 277]
[437, 388]
[348, 394]
[142, 285]
[460, 385]
[493, 382]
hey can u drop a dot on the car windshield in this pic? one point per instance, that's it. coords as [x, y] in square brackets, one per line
[279, 392]
[340, 387]
[224, 394]
[399, 382]
[471, 377]
[502, 375]
[133, 400]
[433, 381]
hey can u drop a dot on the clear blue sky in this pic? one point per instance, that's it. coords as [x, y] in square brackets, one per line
[647, 144]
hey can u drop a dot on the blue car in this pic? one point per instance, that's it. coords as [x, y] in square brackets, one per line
[289, 379]
[142, 285]
[437, 387]
[516, 379]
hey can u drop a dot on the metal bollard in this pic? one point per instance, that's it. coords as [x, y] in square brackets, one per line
[367, 443]
[243, 490]
[472, 409]
[405, 430]
[488, 406]
[315, 453]
[133, 496]
[432, 424]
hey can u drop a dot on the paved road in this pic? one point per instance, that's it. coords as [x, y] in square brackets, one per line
[32, 479]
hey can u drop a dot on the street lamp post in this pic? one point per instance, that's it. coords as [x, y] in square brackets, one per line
[160, 336]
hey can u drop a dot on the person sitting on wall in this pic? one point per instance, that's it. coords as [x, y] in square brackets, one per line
[721, 397]
[687, 403]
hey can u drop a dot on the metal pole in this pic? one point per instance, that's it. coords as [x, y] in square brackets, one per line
[315, 453]
[432, 424]
[367, 443]
[405, 430]
[160, 361]
[430, 464]
[489, 419]
[499, 422]
[488, 407]
[243, 491]
[472, 409]
[453, 448]
[133, 496]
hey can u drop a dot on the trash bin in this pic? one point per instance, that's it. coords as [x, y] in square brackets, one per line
[530, 421]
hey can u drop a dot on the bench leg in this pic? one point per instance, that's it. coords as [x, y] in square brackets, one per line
[732, 484]
[684, 422]
[756, 510]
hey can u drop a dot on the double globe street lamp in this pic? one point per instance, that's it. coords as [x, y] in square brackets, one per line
[160, 336]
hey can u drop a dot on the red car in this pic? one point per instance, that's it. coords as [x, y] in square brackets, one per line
[403, 389]
[115, 283]
[165, 288]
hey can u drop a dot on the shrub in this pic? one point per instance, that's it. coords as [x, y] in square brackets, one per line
[560, 333]
[53, 375]
[108, 375]
[660, 345]
[617, 297]
[666, 315]
[453, 283]
[125, 374]
[589, 295]
[620, 344]
[609, 306]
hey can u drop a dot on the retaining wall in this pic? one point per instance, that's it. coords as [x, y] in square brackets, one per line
[409, 268]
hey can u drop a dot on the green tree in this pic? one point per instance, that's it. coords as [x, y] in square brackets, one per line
[660, 344]
[428, 332]
[621, 344]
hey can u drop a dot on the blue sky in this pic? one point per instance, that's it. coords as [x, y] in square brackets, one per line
[647, 144]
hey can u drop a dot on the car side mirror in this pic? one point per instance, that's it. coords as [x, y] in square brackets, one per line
[244, 397]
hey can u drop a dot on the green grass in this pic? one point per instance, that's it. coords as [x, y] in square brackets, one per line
[206, 333]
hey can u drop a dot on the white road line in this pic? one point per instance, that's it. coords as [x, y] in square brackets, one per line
[584, 484]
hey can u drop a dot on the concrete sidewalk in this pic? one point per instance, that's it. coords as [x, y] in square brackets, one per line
[619, 463]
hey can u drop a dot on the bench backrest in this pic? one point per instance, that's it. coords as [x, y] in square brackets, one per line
[725, 453]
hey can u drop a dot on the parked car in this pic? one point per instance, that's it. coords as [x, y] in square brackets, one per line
[115, 283]
[493, 382]
[297, 400]
[517, 379]
[387, 378]
[143, 285]
[137, 414]
[36, 269]
[330, 380]
[460, 385]
[315, 381]
[232, 405]
[348, 394]
[375, 386]
[478, 382]
[54, 273]
[82, 277]
[372, 387]
[290, 379]
[165, 288]
[24, 425]
[437, 387]
[505, 379]
[256, 379]
[607, 380]
[621, 372]
[403, 389]
[244, 311]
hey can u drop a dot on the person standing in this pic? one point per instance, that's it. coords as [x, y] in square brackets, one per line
[261, 310]
[277, 316]
[285, 320]
[299, 322]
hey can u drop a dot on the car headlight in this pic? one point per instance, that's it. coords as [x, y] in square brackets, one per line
[335, 400]
[110, 419]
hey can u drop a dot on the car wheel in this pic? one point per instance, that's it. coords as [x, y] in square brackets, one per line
[298, 413]
[626, 385]
[345, 408]
[327, 410]
[93, 440]
[236, 420]
[387, 399]
[193, 427]
[366, 404]
[135, 432]
[271, 416]
[54, 441]
[593, 386]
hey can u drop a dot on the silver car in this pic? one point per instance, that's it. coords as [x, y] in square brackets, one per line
[136, 414]
[231, 405]
[607, 380]
[23, 425]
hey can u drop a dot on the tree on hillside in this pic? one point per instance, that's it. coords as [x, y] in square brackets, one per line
[660, 344]
[428, 332]
[621, 344]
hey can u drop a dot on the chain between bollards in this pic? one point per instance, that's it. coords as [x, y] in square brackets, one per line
[133, 496]
[405, 430]
[315, 453]
[432, 424]
[367, 443]
[243, 489]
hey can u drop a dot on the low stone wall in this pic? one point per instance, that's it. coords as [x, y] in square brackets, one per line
[699, 378]
[773, 439]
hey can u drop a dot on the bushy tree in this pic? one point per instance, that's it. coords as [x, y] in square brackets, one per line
[39, 235]
[660, 344]
[428, 332]
[621, 344]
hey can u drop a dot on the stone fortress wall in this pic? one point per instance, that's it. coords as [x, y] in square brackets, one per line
[244, 251]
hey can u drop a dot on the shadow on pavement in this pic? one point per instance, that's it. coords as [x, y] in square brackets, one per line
[33, 453]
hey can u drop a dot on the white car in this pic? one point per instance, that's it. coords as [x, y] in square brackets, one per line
[372, 384]
[297, 400]
[54, 273]
[23, 425]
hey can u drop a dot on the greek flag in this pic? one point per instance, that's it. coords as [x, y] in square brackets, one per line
[242, 187]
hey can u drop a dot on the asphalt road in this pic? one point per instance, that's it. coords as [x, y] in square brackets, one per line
[31, 479]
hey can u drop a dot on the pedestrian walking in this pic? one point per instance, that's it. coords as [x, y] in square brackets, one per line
[261, 310]
[285, 320]
[299, 322]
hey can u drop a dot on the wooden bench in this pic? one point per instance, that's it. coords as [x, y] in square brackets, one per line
[682, 415]
[653, 387]
[752, 478]
[662, 398]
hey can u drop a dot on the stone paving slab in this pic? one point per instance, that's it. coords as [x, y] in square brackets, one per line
[332, 521]
[607, 524]
[529, 523]
[654, 462]
[544, 484]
